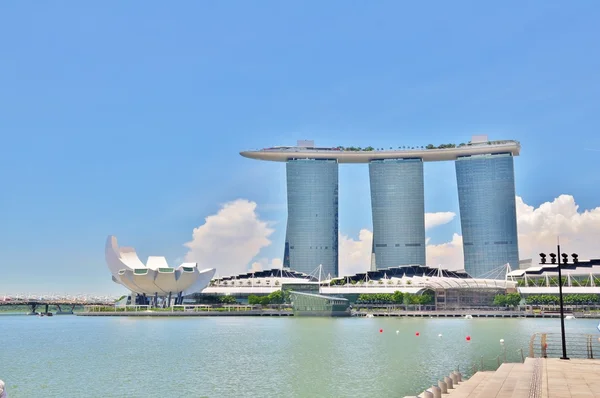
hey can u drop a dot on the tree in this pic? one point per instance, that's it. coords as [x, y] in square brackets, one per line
[426, 299]
[265, 300]
[411, 299]
[512, 299]
[398, 297]
[275, 297]
[500, 300]
[430, 146]
[254, 300]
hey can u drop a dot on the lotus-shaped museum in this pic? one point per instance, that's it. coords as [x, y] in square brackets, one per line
[155, 277]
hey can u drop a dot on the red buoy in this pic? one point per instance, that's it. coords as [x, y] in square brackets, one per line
[380, 330]
[416, 334]
[468, 338]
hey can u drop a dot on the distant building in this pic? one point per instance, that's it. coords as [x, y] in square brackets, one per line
[312, 226]
[486, 191]
[155, 279]
[451, 289]
[486, 196]
[307, 304]
[398, 206]
[582, 277]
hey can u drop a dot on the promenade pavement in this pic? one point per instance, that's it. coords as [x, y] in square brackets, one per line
[535, 378]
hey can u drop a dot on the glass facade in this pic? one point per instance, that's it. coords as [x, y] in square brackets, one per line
[398, 206]
[318, 305]
[312, 225]
[486, 195]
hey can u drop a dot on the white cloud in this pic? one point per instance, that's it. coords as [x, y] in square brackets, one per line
[355, 255]
[433, 220]
[230, 239]
[449, 255]
[539, 227]
[265, 264]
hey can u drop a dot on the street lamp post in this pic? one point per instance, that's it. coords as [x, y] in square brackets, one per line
[562, 259]
[562, 311]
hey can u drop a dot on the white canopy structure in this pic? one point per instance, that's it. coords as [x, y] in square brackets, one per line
[155, 277]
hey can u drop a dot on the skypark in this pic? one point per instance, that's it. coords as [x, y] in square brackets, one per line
[430, 153]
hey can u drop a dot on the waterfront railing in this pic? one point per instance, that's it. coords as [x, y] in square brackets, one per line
[579, 345]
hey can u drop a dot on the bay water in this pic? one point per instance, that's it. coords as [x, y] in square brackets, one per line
[71, 356]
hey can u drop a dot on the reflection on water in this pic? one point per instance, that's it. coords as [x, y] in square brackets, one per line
[70, 356]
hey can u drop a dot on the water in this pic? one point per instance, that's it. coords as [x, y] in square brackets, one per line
[69, 356]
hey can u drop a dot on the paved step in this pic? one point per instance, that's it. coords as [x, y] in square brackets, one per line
[502, 383]
[524, 383]
[471, 386]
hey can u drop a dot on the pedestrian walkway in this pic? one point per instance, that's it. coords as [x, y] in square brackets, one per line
[535, 378]
[575, 378]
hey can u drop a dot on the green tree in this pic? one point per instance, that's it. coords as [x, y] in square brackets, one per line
[398, 297]
[500, 300]
[512, 299]
[265, 300]
[411, 299]
[254, 300]
[275, 297]
[426, 299]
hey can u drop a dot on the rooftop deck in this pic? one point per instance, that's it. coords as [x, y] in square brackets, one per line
[283, 154]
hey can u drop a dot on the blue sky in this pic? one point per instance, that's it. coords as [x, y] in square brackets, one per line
[128, 118]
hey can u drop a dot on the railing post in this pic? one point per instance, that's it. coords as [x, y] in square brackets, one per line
[544, 345]
[522, 356]
[531, 341]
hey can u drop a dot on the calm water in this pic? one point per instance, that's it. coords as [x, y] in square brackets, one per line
[69, 356]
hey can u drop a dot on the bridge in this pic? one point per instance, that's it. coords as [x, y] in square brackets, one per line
[34, 301]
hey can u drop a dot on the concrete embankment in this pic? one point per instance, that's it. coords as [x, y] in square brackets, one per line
[185, 313]
[480, 314]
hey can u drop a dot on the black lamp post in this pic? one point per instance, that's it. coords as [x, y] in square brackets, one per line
[564, 260]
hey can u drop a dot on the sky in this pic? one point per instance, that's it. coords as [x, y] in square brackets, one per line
[127, 119]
